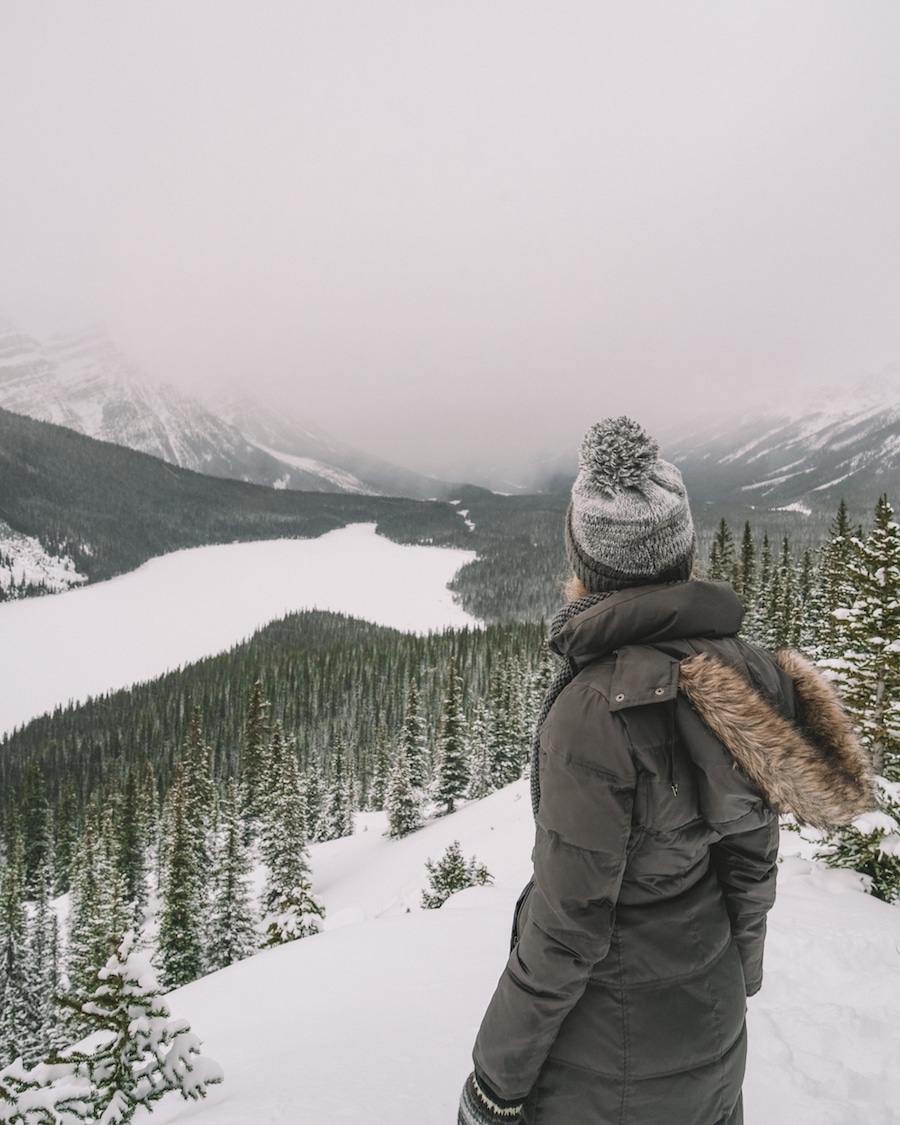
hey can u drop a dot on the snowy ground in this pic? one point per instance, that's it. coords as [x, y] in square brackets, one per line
[195, 603]
[23, 559]
[373, 1020]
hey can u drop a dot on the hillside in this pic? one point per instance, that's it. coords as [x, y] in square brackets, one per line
[374, 1019]
[110, 508]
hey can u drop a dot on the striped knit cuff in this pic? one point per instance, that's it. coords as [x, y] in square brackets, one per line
[479, 1105]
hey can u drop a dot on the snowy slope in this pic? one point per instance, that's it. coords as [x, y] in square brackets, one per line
[844, 442]
[195, 603]
[83, 381]
[373, 1020]
[24, 561]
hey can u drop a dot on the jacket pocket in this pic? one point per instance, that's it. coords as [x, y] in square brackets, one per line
[514, 937]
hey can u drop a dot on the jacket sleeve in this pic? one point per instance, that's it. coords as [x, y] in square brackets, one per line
[746, 866]
[583, 825]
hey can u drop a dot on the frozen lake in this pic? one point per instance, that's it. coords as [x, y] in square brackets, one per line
[195, 603]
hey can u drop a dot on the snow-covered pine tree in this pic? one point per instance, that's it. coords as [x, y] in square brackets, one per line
[232, 931]
[36, 826]
[66, 825]
[298, 914]
[254, 766]
[311, 789]
[282, 837]
[450, 874]
[13, 983]
[412, 740]
[98, 913]
[721, 554]
[784, 603]
[838, 587]
[381, 769]
[143, 1054]
[507, 736]
[480, 781]
[42, 983]
[403, 802]
[871, 672]
[453, 766]
[201, 788]
[184, 907]
[746, 587]
[337, 818]
[757, 625]
[290, 908]
[134, 847]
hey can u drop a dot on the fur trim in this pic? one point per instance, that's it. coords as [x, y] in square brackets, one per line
[814, 768]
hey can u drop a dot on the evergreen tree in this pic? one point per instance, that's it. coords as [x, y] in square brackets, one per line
[201, 787]
[254, 767]
[838, 587]
[337, 820]
[480, 780]
[298, 914]
[13, 982]
[144, 1054]
[403, 800]
[381, 770]
[36, 828]
[183, 911]
[133, 846]
[313, 811]
[504, 725]
[42, 985]
[66, 823]
[872, 663]
[232, 933]
[450, 874]
[453, 767]
[283, 828]
[784, 616]
[98, 913]
[412, 740]
[758, 626]
[746, 588]
[721, 555]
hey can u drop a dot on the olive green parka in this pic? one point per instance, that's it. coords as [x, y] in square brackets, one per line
[662, 765]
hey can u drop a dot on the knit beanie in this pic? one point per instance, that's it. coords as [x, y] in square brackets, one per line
[628, 523]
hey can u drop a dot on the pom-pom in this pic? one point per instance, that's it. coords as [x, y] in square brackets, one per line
[617, 453]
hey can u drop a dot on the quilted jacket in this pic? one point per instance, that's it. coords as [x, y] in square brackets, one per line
[663, 765]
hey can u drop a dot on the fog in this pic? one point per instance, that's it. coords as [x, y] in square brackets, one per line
[456, 233]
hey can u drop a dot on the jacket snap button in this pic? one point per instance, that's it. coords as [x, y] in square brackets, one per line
[619, 697]
[660, 691]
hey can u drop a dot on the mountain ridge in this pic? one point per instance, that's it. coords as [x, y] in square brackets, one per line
[83, 381]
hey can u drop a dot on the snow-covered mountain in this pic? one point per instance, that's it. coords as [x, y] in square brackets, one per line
[83, 381]
[307, 448]
[802, 455]
[843, 443]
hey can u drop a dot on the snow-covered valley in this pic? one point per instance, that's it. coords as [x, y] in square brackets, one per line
[195, 603]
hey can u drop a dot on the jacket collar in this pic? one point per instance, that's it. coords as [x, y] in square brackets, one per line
[647, 615]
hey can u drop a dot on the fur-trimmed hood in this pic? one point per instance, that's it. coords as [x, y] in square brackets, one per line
[797, 748]
[814, 768]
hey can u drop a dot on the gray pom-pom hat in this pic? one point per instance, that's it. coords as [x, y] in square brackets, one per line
[629, 522]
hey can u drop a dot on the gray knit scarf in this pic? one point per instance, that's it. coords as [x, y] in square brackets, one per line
[564, 676]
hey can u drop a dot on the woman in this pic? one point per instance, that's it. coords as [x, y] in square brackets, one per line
[667, 745]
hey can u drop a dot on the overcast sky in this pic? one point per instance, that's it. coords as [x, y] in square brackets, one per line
[467, 228]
